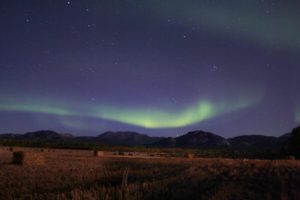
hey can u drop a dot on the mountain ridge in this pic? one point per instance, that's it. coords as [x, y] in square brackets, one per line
[192, 139]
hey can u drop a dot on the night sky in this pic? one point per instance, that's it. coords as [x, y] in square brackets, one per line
[159, 67]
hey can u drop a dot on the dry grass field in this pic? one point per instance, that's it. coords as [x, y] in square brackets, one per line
[75, 174]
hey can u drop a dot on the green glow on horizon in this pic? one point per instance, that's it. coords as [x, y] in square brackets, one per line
[142, 117]
[158, 118]
[202, 111]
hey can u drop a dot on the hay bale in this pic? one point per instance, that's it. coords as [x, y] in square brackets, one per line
[291, 158]
[98, 153]
[189, 155]
[18, 158]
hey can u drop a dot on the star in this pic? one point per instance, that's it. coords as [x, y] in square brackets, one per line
[91, 25]
[214, 68]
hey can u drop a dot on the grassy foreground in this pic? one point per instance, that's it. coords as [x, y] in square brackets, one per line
[66, 174]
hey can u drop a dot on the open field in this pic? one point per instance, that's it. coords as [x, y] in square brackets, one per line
[77, 174]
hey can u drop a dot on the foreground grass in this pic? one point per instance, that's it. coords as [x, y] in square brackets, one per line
[66, 175]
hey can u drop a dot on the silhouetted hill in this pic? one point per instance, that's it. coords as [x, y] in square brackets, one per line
[126, 138]
[194, 139]
[67, 135]
[110, 138]
[165, 142]
[285, 137]
[255, 142]
[292, 145]
[200, 139]
[45, 135]
[9, 135]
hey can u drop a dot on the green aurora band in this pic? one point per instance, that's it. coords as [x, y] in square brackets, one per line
[147, 118]
[203, 110]
[37, 108]
[238, 19]
[157, 118]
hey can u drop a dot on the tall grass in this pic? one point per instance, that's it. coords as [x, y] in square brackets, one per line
[78, 176]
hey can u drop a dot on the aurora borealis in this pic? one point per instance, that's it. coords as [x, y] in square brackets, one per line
[150, 118]
[271, 23]
[160, 67]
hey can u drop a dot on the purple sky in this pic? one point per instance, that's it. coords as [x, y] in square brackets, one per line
[156, 67]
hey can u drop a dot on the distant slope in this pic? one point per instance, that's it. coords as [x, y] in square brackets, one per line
[110, 138]
[203, 139]
[194, 139]
[43, 135]
[255, 142]
[165, 142]
[285, 137]
[9, 135]
[126, 138]
[292, 145]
